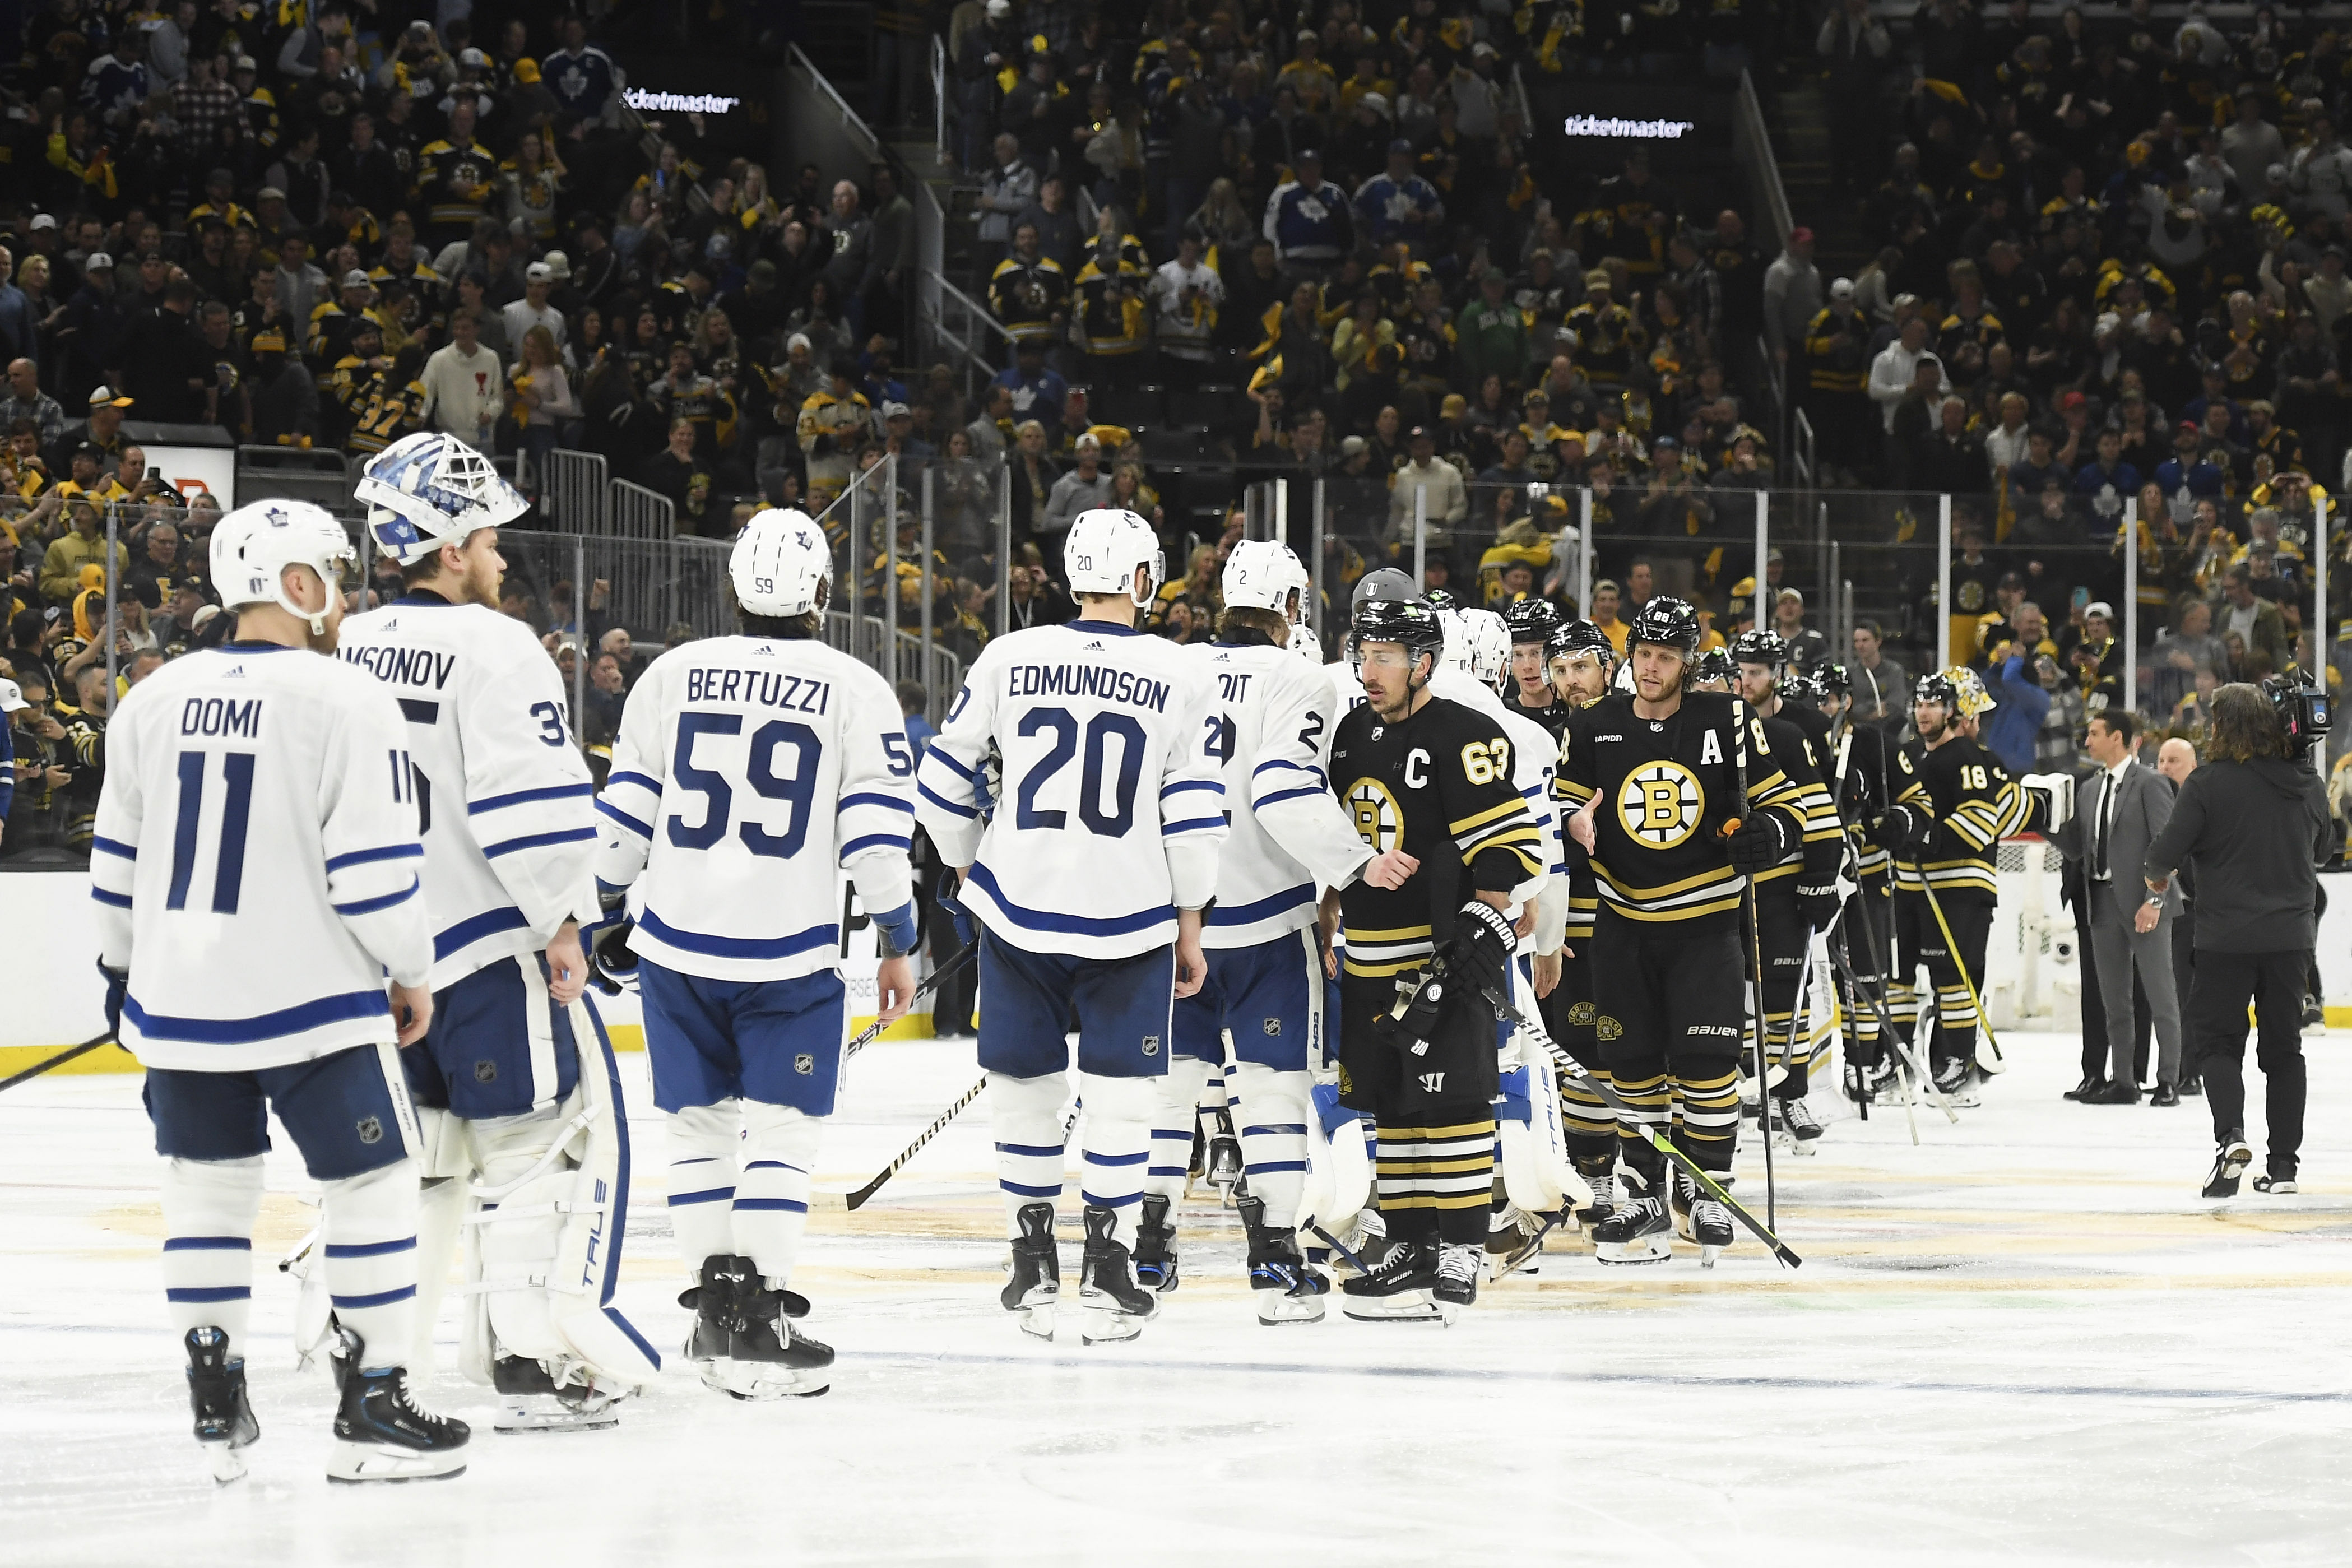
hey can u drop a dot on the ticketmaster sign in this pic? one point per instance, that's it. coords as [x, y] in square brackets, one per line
[1627, 130]
[644, 102]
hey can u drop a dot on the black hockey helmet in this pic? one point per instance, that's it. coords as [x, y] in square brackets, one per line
[1760, 646]
[1530, 620]
[1940, 689]
[1716, 664]
[1668, 622]
[1407, 621]
[1388, 582]
[1579, 636]
[1797, 687]
[1442, 600]
[1833, 680]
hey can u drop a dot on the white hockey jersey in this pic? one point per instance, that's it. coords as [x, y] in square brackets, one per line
[504, 799]
[1287, 837]
[1347, 691]
[256, 861]
[1535, 758]
[1108, 810]
[749, 775]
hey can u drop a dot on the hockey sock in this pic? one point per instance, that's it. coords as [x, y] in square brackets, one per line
[1648, 1099]
[772, 1195]
[1710, 1125]
[1177, 1108]
[702, 1140]
[1410, 1213]
[1589, 1125]
[209, 1208]
[1458, 1173]
[370, 1227]
[1273, 1123]
[1955, 1023]
[1903, 1004]
[1027, 1113]
[1118, 1145]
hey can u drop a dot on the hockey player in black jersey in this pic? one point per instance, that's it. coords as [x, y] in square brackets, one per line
[1652, 777]
[1418, 1043]
[1582, 660]
[1864, 780]
[1798, 896]
[1970, 804]
[1531, 623]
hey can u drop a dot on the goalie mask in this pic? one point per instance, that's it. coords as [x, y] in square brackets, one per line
[429, 489]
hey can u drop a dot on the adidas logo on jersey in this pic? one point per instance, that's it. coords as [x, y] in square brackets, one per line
[1094, 647]
[234, 672]
[392, 624]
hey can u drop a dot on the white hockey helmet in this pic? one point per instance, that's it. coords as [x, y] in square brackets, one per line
[253, 545]
[1104, 548]
[429, 489]
[1477, 642]
[1263, 574]
[780, 564]
[1305, 643]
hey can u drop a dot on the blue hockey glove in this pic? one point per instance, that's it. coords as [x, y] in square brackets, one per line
[118, 986]
[897, 928]
[967, 929]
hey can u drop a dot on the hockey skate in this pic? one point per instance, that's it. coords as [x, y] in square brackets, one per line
[1710, 1223]
[713, 1304]
[1955, 1081]
[1600, 1174]
[1795, 1127]
[1155, 1247]
[1036, 1283]
[1637, 1231]
[1224, 1163]
[532, 1399]
[1679, 1192]
[382, 1434]
[1282, 1286]
[224, 1422]
[1116, 1308]
[1457, 1280]
[1877, 1084]
[767, 1357]
[1397, 1290]
[2231, 1158]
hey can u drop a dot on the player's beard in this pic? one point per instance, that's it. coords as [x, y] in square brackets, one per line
[481, 581]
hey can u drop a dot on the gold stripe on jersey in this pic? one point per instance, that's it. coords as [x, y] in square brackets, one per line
[1710, 893]
[1376, 955]
[1478, 817]
[1948, 876]
[1524, 841]
[1575, 795]
[1583, 913]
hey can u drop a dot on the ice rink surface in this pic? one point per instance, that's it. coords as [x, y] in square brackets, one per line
[2026, 1341]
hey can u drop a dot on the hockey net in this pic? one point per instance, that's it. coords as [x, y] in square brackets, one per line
[2033, 974]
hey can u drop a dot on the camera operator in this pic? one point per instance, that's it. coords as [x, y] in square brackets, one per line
[2252, 823]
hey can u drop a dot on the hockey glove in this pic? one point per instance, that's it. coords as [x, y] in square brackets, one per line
[118, 986]
[897, 929]
[612, 963]
[1903, 829]
[967, 929]
[1480, 953]
[1760, 842]
[1818, 906]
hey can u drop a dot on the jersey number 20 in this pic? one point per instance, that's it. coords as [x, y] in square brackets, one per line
[1112, 823]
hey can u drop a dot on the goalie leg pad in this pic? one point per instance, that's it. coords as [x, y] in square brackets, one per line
[1027, 1113]
[772, 1195]
[441, 1205]
[518, 1227]
[1116, 1145]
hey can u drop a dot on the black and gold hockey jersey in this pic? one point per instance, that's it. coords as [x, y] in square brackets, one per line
[1975, 804]
[1668, 787]
[1439, 784]
[1817, 853]
[1872, 779]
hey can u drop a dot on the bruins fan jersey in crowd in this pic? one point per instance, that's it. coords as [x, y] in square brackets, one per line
[1669, 787]
[1440, 784]
[1976, 804]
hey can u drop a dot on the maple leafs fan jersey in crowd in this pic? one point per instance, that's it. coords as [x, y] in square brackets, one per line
[1106, 812]
[1668, 787]
[1977, 804]
[749, 775]
[257, 805]
[1440, 783]
[1271, 718]
[503, 797]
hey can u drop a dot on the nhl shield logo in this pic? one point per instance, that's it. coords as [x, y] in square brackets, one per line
[371, 1131]
[1272, 1026]
[1151, 1044]
[486, 1072]
[805, 1064]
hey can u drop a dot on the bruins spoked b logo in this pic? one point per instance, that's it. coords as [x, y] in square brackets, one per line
[1659, 805]
[1378, 821]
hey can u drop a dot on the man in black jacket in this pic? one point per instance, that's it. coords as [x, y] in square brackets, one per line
[2252, 822]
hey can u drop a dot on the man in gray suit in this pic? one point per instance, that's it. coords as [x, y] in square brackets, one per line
[2118, 812]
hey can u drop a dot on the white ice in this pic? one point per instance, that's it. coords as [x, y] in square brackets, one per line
[2026, 1341]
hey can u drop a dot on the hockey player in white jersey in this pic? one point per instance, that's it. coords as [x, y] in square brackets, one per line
[508, 820]
[1088, 881]
[1288, 839]
[752, 771]
[255, 869]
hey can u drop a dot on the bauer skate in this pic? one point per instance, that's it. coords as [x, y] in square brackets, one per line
[532, 1399]
[1397, 1290]
[1116, 1308]
[1955, 1081]
[1035, 1287]
[713, 1304]
[1710, 1224]
[382, 1434]
[1155, 1247]
[767, 1357]
[224, 1422]
[1795, 1127]
[1457, 1287]
[1638, 1231]
[1283, 1287]
[1600, 1174]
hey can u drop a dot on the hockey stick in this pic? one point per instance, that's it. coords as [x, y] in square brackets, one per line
[63, 1057]
[930, 983]
[855, 1199]
[1626, 1116]
[1755, 961]
[1984, 1021]
[1903, 1047]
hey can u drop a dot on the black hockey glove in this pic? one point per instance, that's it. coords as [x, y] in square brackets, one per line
[1760, 842]
[1818, 906]
[612, 963]
[967, 929]
[1903, 829]
[118, 986]
[1479, 957]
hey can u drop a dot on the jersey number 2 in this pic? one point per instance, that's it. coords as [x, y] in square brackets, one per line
[798, 789]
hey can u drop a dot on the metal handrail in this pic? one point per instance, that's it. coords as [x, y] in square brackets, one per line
[1749, 129]
[939, 98]
[849, 117]
[973, 353]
